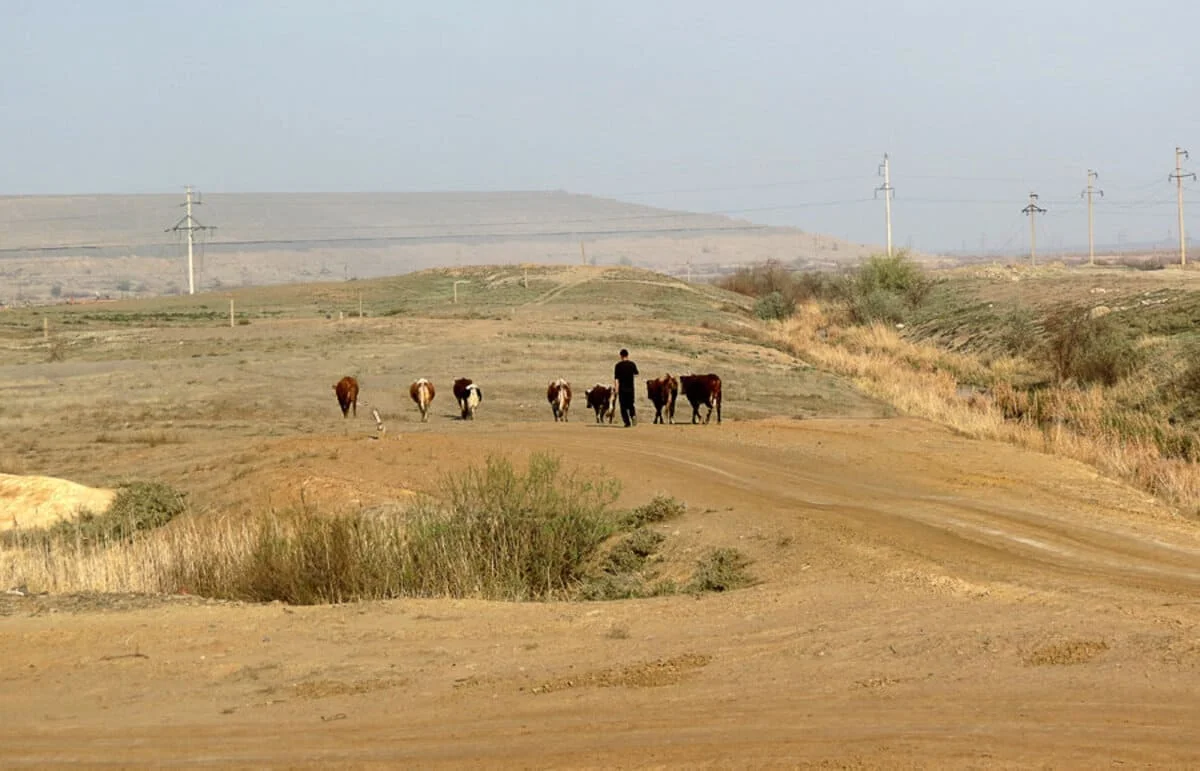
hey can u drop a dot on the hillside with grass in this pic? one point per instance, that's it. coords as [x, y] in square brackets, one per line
[1100, 365]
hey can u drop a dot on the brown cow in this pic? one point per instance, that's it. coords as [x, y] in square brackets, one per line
[702, 390]
[663, 392]
[602, 399]
[559, 395]
[468, 395]
[347, 395]
[422, 392]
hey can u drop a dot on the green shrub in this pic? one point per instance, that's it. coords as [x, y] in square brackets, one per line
[137, 507]
[887, 289]
[877, 305]
[659, 509]
[721, 570]
[1019, 332]
[1089, 350]
[774, 307]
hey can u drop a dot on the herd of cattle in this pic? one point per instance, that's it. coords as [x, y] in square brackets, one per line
[700, 391]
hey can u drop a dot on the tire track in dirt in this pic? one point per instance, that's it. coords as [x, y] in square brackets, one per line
[1002, 537]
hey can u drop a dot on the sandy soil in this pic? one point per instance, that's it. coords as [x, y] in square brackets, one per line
[33, 501]
[925, 600]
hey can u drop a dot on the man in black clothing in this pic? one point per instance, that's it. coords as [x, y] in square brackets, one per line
[623, 380]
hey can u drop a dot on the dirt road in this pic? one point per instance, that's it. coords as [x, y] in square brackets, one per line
[925, 600]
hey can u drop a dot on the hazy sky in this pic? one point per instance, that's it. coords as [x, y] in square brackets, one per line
[785, 108]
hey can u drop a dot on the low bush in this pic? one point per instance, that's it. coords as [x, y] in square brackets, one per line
[721, 570]
[887, 288]
[1089, 350]
[774, 307]
[659, 509]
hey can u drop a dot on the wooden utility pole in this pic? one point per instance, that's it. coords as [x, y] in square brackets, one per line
[1031, 211]
[1179, 176]
[886, 187]
[1091, 190]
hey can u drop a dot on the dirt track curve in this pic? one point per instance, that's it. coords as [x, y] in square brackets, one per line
[925, 600]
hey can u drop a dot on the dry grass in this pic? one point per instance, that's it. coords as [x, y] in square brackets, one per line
[1087, 425]
[494, 533]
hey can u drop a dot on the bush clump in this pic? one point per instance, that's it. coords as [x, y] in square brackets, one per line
[1088, 350]
[774, 307]
[721, 570]
[887, 289]
[659, 509]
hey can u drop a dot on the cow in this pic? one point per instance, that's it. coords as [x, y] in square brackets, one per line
[559, 395]
[602, 399]
[422, 393]
[347, 395]
[702, 390]
[663, 392]
[468, 395]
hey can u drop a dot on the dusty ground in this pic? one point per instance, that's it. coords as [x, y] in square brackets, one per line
[925, 600]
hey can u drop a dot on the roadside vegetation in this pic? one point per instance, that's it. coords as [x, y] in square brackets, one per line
[1110, 381]
[497, 532]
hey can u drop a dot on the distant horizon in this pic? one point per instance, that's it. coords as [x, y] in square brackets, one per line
[1058, 248]
[778, 112]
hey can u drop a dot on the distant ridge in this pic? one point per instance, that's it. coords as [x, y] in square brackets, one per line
[103, 245]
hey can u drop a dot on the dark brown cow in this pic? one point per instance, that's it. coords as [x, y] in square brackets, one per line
[558, 393]
[702, 390]
[347, 395]
[663, 392]
[468, 395]
[422, 392]
[603, 400]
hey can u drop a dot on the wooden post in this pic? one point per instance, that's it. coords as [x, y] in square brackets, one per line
[230, 312]
[525, 279]
[582, 253]
[360, 305]
[45, 328]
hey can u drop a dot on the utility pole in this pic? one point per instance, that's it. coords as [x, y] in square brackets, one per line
[1179, 176]
[1031, 211]
[1091, 177]
[189, 225]
[886, 187]
[582, 253]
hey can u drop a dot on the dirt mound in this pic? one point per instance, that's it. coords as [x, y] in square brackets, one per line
[30, 501]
